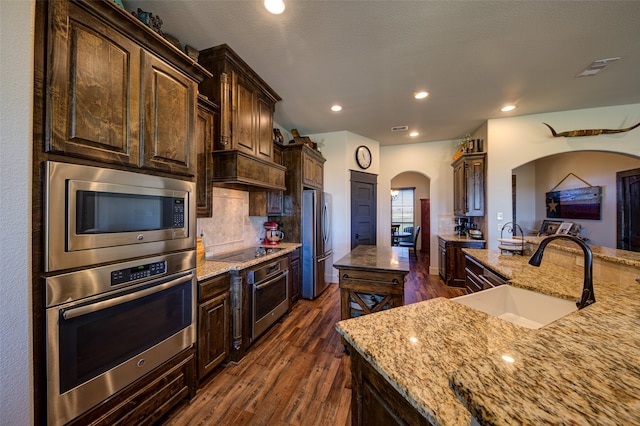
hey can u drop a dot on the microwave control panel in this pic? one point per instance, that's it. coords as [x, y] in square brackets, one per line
[138, 272]
[178, 213]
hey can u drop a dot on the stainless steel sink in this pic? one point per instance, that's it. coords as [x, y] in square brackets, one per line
[523, 307]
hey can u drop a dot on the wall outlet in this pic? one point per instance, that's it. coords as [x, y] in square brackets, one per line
[500, 227]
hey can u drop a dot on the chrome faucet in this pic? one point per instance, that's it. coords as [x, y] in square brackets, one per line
[587, 297]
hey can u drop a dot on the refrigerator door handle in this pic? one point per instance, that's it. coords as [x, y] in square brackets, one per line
[325, 257]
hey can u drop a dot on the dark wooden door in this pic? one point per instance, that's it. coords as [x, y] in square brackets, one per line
[363, 208]
[628, 206]
[425, 223]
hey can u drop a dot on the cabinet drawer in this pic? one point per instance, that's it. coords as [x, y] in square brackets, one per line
[213, 287]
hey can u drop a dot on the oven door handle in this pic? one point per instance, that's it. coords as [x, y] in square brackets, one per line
[84, 310]
[271, 281]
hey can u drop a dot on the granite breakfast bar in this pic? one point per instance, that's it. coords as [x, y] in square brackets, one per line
[450, 363]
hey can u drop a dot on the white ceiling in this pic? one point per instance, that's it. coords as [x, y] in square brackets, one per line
[370, 56]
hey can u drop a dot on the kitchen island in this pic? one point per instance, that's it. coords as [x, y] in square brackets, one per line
[372, 279]
[445, 360]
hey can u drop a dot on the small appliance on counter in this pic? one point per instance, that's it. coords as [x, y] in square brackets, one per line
[272, 236]
[462, 223]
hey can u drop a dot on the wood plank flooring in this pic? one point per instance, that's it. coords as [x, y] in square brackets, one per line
[297, 373]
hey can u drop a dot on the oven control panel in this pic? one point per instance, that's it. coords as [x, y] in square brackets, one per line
[138, 272]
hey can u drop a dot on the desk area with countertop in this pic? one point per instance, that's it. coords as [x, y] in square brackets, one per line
[445, 360]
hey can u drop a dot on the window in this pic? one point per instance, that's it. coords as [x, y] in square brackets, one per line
[402, 208]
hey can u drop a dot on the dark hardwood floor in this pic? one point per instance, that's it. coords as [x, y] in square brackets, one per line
[297, 373]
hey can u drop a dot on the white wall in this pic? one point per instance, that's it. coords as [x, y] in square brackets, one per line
[339, 150]
[596, 168]
[433, 160]
[519, 140]
[16, 92]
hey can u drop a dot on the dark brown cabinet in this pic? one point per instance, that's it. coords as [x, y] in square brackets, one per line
[374, 401]
[214, 316]
[452, 267]
[295, 276]
[246, 103]
[468, 185]
[268, 203]
[478, 277]
[205, 130]
[118, 93]
[305, 170]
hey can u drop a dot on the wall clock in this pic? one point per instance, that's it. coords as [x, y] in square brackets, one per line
[363, 157]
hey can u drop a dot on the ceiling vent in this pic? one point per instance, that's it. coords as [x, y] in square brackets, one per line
[596, 66]
[400, 128]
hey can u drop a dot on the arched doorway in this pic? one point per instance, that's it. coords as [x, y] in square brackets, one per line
[421, 204]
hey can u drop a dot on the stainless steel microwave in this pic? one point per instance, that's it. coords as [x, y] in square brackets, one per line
[96, 215]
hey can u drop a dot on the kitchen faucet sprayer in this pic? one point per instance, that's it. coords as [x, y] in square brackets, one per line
[587, 297]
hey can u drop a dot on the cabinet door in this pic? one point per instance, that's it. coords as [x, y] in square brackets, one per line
[93, 108]
[318, 174]
[295, 276]
[169, 119]
[475, 187]
[442, 260]
[204, 146]
[264, 131]
[307, 170]
[213, 333]
[243, 100]
[459, 191]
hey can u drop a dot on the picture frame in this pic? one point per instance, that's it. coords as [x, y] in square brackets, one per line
[564, 228]
[549, 227]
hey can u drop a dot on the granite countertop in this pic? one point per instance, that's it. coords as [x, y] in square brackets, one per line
[456, 237]
[446, 358]
[394, 259]
[211, 268]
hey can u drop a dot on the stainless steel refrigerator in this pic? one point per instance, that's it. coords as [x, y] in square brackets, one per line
[316, 241]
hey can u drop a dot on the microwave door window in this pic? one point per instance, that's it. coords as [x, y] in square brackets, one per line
[111, 212]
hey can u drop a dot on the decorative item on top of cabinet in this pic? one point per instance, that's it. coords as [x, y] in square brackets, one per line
[205, 130]
[468, 185]
[214, 323]
[246, 101]
[117, 85]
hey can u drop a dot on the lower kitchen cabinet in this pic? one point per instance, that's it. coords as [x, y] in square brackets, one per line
[150, 398]
[478, 277]
[214, 315]
[374, 401]
[452, 259]
[295, 276]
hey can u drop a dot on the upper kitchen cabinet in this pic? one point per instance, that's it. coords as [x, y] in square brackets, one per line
[205, 131]
[118, 92]
[246, 102]
[468, 185]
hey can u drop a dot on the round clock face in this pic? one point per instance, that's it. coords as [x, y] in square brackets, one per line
[363, 157]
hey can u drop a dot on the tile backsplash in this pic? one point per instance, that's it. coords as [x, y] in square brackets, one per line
[230, 226]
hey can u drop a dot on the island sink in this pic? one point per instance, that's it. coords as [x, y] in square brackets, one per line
[526, 308]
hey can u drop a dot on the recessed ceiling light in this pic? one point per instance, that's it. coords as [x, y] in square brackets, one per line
[414, 134]
[420, 95]
[274, 6]
[508, 108]
[336, 108]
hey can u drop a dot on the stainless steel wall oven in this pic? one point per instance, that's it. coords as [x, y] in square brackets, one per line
[269, 283]
[97, 215]
[109, 326]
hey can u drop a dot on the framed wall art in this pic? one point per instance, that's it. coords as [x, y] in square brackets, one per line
[549, 227]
